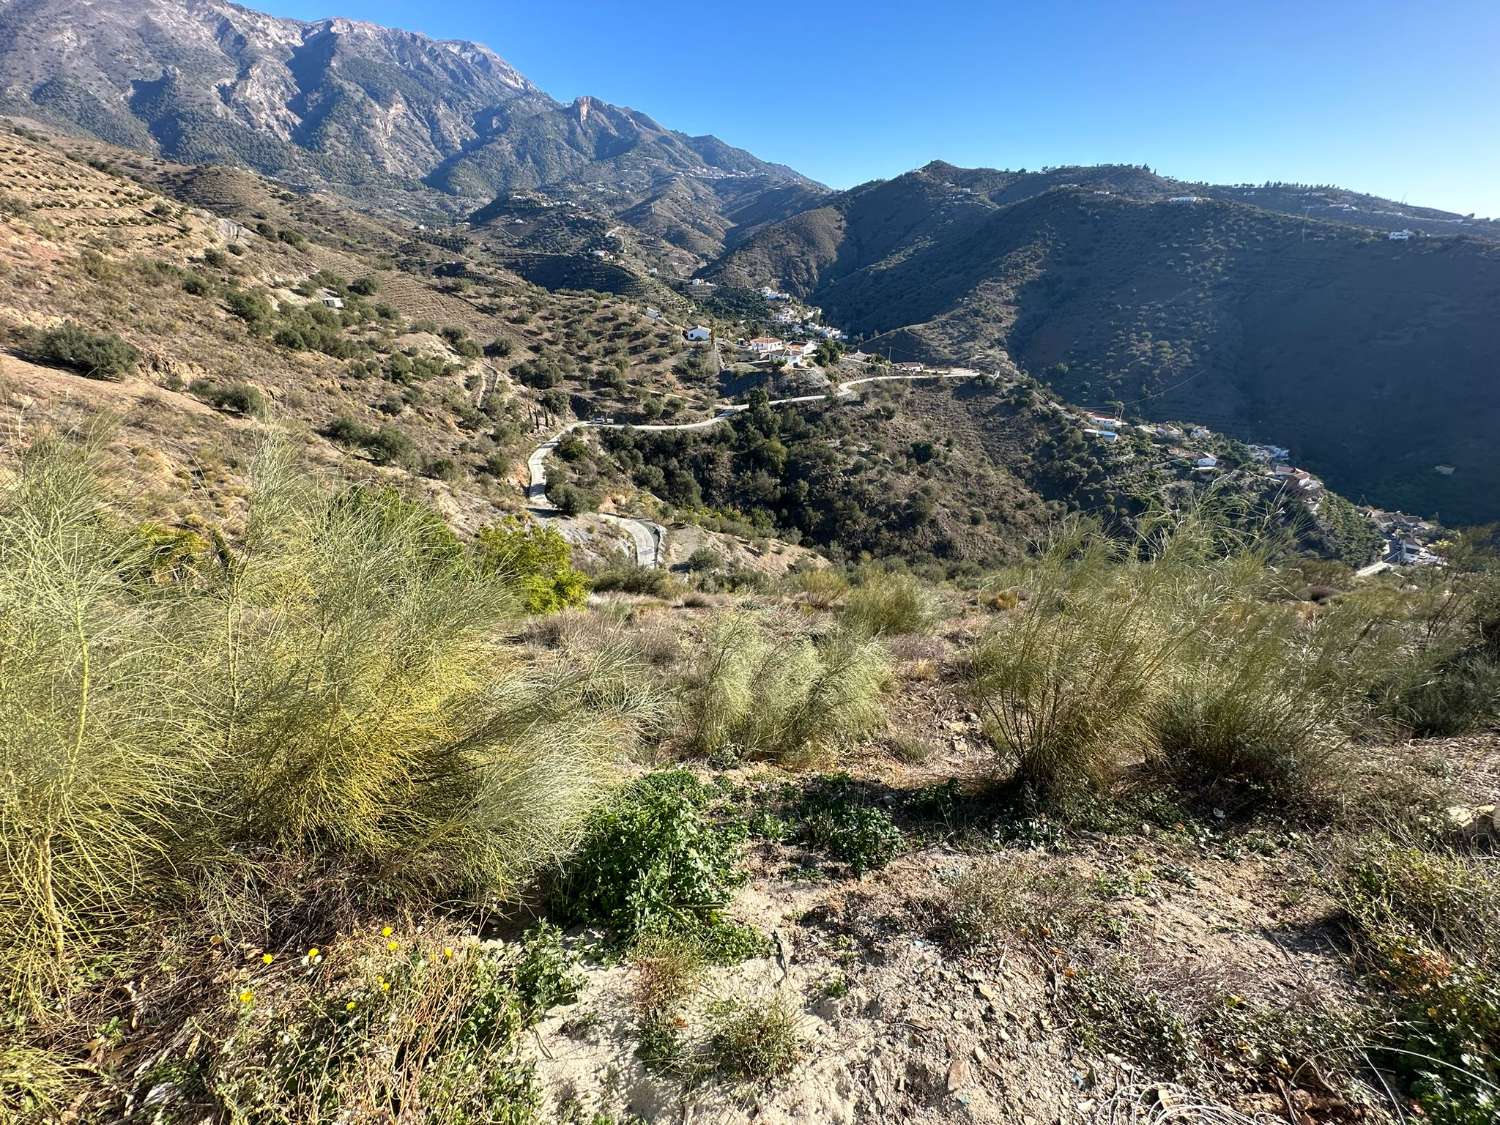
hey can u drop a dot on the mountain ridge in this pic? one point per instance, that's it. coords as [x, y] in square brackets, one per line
[1325, 336]
[386, 117]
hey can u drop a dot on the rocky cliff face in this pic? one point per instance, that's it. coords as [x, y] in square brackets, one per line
[341, 104]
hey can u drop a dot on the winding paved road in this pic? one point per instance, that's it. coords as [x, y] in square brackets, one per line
[645, 536]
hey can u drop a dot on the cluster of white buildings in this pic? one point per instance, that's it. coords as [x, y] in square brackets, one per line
[792, 353]
[1407, 539]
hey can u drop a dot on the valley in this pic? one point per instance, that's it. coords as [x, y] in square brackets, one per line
[514, 613]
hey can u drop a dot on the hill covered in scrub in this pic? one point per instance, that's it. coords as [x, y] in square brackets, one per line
[1319, 336]
[346, 830]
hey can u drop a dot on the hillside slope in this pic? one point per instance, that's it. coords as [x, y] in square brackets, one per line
[1324, 337]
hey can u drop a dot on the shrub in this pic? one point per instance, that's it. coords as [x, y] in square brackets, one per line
[628, 578]
[1067, 686]
[1427, 925]
[98, 355]
[703, 559]
[834, 819]
[251, 306]
[821, 586]
[237, 398]
[757, 697]
[889, 604]
[571, 500]
[653, 861]
[534, 560]
[1250, 700]
[334, 694]
[387, 445]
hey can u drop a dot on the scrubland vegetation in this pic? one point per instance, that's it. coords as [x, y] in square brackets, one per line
[294, 809]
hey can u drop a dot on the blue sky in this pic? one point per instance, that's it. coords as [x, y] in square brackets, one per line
[1399, 99]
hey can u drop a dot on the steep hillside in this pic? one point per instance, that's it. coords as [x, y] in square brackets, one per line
[1320, 336]
[383, 116]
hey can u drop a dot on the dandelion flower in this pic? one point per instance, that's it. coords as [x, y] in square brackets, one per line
[267, 958]
[313, 952]
[386, 931]
[385, 986]
[247, 996]
[448, 952]
[349, 1007]
[393, 945]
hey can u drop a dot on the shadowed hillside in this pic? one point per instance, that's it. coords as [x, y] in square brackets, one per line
[1372, 358]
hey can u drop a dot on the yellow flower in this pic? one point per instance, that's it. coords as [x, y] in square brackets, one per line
[386, 932]
[393, 946]
[267, 958]
[247, 996]
[385, 986]
[217, 939]
[349, 1007]
[313, 953]
[448, 952]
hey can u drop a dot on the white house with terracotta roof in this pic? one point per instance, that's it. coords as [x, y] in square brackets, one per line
[765, 346]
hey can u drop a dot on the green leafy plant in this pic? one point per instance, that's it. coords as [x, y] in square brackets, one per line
[536, 561]
[833, 817]
[654, 861]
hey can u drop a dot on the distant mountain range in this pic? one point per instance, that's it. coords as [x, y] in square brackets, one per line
[1363, 333]
[382, 116]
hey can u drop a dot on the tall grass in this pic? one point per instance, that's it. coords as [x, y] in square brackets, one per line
[1065, 687]
[102, 743]
[1186, 650]
[330, 688]
[755, 695]
[887, 604]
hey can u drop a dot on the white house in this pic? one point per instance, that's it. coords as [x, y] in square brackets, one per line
[1184, 199]
[1206, 461]
[774, 294]
[331, 300]
[1102, 435]
[1104, 422]
[765, 345]
[1399, 235]
[653, 313]
[698, 332]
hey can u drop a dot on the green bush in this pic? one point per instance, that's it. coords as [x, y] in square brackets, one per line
[99, 355]
[387, 445]
[534, 560]
[335, 693]
[836, 820]
[654, 861]
[237, 398]
[756, 696]
[888, 605]
[627, 578]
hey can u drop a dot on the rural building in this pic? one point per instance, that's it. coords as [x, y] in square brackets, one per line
[698, 332]
[765, 345]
